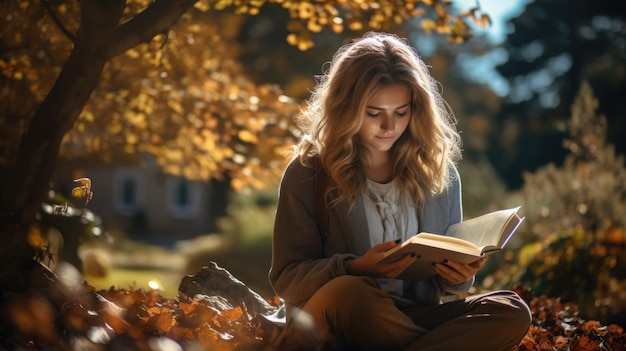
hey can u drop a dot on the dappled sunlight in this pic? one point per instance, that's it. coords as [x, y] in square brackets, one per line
[207, 99]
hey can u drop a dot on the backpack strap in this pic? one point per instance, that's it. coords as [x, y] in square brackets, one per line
[321, 186]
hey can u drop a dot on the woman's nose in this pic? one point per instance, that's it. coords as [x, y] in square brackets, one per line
[387, 123]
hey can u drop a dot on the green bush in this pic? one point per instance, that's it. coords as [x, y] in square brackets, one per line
[574, 235]
[250, 220]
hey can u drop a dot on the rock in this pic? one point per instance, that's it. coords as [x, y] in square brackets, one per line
[216, 284]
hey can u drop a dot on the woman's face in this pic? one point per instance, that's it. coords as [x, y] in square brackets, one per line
[387, 115]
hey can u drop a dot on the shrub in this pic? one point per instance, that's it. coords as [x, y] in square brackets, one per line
[575, 222]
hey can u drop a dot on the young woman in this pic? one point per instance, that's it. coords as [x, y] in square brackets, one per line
[377, 128]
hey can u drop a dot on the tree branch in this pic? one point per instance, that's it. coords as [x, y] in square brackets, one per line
[155, 19]
[58, 22]
[57, 113]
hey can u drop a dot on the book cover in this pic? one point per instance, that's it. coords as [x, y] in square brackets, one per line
[464, 242]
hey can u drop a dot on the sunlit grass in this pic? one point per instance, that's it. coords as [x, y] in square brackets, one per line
[164, 282]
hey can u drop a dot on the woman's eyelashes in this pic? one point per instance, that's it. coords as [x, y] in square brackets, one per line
[378, 113]
[402, 113]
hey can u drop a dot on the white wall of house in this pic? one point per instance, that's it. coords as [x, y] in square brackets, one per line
[143, 201]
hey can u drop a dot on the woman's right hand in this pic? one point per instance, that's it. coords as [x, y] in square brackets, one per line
[367, 264]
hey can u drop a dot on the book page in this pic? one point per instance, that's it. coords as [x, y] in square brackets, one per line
[446, 242]
[434, 248]
[485, 230]
[463, 242]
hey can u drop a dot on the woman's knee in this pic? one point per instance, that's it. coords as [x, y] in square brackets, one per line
[525, 316]
[349, 282]
[508, 305]
[355, 311]
[346, 291]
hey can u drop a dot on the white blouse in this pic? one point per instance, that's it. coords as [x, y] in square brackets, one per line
[390, 216]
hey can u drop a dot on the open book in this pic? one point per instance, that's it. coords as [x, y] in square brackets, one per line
[464, 242]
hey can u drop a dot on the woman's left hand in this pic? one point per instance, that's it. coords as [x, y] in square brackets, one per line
[456, 273]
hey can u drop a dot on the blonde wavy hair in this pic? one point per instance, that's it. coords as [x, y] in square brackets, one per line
[335, 111]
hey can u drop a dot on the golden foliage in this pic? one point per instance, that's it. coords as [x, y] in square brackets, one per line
[314, 16]
[193, 110]
[182, 96]
[575, 213]
[590, 187]
[560, 326]
[184, 320]
[131, 319]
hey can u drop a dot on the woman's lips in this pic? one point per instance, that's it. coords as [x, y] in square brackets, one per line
[386, 138]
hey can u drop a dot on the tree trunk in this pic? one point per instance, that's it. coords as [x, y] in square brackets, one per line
[40, 144]
[100, 38]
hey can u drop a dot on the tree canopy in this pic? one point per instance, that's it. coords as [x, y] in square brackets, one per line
[111, 79]
[181, 95]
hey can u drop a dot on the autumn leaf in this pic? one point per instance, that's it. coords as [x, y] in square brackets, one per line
[84, 190]
[428, 25]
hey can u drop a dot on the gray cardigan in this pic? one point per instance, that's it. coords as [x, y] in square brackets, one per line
[302, 262]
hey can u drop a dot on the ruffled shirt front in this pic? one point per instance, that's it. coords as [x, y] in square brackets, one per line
[390, 216]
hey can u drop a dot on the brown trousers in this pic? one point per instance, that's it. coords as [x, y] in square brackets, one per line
[353, 313]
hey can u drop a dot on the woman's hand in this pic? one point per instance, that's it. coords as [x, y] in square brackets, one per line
[457, 273]
[367, 264]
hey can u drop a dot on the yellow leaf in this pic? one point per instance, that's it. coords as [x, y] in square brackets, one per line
[175, 105]
[86, 182]
[79, 192]
[248, 137]
[314, 27]
[306, 10]
[87, 116]
[441, 11]
[83, 191]
[304, 44]
[355, 24]
[132, 138]
[292, 39]
[36, 238]
[417, 12]
[115, 127]
[428, 25]
[241, 10]
[337, 27]
[204, 7]
[133, 53]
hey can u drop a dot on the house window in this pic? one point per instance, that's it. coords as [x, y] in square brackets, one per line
[182, 197]
[128, 193]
